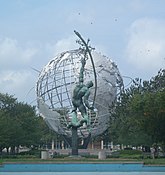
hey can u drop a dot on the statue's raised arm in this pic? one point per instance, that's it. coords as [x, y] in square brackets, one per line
[88, 51]
[82, 69]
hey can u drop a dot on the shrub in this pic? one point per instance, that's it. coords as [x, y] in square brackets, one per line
[130, 153]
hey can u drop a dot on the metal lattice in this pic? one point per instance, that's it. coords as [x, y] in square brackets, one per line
[57, 81]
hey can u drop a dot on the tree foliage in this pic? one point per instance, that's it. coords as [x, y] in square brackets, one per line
[138, 117]
[19, 124]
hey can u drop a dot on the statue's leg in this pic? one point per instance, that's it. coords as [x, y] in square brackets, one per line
[74, 118]
[83, 111]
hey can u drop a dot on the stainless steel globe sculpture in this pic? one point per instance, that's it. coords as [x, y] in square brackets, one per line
[55, 86]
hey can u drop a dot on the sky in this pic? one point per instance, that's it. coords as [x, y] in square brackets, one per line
[32, 32]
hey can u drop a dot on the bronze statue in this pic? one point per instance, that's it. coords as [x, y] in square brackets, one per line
[80, 96]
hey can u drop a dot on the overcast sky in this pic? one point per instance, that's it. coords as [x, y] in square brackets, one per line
[130, 32]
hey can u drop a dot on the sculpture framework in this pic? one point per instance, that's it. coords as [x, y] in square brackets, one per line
[55, 87]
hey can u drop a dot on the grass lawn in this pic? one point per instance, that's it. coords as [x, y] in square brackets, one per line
[84, 160]
[123, 156]
[154, 161]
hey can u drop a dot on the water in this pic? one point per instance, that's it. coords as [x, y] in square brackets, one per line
[80, 169]
[82, 173]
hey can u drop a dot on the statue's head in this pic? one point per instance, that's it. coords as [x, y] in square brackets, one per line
[89, 84]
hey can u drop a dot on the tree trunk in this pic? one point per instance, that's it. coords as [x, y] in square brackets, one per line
[12, 150]
[1, 150]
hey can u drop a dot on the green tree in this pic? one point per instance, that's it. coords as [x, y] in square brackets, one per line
[7, 104]
[138, 116]
[47, 134]
[154, 115]
[25, 116]
[19, 124]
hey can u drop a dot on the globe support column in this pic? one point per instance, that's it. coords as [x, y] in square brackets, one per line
[74, 141]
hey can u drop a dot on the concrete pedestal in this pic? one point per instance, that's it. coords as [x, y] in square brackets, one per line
[102, 155]
[44, 155]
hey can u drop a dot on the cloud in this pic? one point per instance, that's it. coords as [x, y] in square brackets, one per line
[62, 45]
[146, 46]
[13, 56]
[16, 83]
[16, 77]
